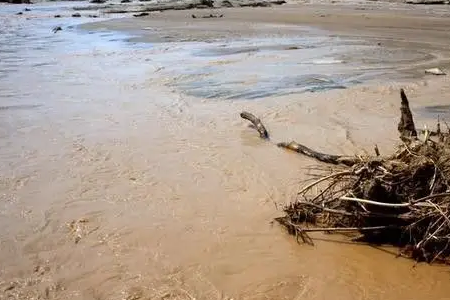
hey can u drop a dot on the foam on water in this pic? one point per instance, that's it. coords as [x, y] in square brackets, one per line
[263, 67]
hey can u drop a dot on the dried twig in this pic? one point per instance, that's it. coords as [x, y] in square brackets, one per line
[334, 175]
[341, 229]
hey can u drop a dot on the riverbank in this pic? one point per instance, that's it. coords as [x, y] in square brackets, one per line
[411, 38]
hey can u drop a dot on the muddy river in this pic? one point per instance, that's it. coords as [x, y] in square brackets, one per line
[126, 172]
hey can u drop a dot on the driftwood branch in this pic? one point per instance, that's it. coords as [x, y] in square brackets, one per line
[257, 123]
[299, 148]
[326, 158]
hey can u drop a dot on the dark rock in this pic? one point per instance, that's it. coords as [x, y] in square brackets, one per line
[427, 2]
[262, 3]
[97, 1]
[27, 9]
[143, 14]
[201, 6]
[212, 16]
[57, 16]
[56, 29]
[125, 1]
[93, 16]
[117, 11]
[76, 15]
[226, 3]
[255, 4]
[19, 13]
[17, 1]
[208, 3]
[208, 16]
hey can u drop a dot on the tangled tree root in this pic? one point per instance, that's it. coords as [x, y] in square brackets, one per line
[402, 199]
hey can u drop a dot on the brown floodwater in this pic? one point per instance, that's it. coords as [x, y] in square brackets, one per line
[126, 172]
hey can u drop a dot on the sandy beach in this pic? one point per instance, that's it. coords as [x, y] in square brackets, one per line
[126, 172]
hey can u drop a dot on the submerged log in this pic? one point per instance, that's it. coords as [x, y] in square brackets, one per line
[257, 123]
[406, 125]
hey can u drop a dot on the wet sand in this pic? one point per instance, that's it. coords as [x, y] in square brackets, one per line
[390, 24]
[121, 185]
[405, 39]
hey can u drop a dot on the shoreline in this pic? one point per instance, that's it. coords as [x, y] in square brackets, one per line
[376, 23]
